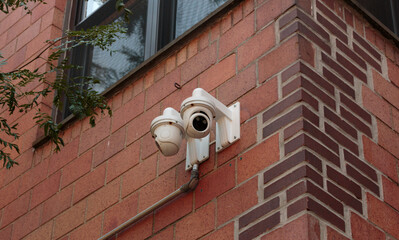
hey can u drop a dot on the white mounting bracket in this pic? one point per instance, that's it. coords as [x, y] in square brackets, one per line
[197, 151]
[228, 130]
[227, 125]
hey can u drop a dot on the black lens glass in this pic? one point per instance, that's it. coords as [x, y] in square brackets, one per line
[200, 123]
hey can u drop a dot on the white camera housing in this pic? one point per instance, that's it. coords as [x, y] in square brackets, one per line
[195, 122]
[198, 112]
[168, 132]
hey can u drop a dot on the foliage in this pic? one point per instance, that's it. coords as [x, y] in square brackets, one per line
[7, 5]
[82, 99]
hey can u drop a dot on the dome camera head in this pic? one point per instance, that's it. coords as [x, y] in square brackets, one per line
[197, 113]
[168, 131]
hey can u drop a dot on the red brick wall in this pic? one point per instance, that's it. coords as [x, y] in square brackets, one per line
[319, 148]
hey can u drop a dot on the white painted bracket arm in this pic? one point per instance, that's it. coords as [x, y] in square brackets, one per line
[228, 129]
[227, 120]
[220, 108]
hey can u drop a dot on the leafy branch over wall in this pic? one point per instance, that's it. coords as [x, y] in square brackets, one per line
[83, 99]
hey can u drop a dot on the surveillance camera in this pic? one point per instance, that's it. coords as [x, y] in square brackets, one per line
[168, 131]
[197, 113]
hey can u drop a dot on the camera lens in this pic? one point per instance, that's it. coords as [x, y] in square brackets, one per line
[200, 123]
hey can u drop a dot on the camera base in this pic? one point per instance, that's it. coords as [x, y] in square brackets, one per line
[197, 151]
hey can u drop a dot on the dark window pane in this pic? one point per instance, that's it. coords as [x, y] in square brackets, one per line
[127, 52]
[89, 6]
[166, 22]
[188, 13]
[381, 9]
[395, 12]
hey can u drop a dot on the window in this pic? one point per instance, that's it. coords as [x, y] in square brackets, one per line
[153, 24]
[385, 11]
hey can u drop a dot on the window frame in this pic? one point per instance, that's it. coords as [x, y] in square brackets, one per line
[375, 22]
[159, 54]
[159, 27]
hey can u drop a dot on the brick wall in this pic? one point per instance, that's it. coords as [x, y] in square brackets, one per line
[319, 148]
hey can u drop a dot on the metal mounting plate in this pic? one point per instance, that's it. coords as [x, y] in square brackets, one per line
[226, 137]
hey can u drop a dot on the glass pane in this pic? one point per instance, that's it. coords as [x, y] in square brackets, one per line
[89, 6]
[128, 51]
[189, 12]
[381, 9]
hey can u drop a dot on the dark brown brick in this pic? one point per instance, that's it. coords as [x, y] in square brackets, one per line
[352, 68]
[293, 28]
[309, 187]
[356, 122]
[282, 121]
[305, 31]
[292, 86]
[295, 143]
[259, 212]
[293, 129]
[338, 82]
[260, 227]
[316, 91]
[348, 52]
[287, 18]
[286, 165]
[297, 190]
[362, 180]
[336, 67]
[306, 97]
[302, 96]
[366, 46]
[313, 25]
[355, 108]
[297, 13]
[331, 15]
[333, 29]
[291, 71]
[344, 197]
[308, 203]
[317, 78]
[309, 115]
[366, 57]
[284, 182]
[298, 96]
[323, 212]
[361, 165]
[344, 182]
[341, 139]
[305, 140]
[301, 82]
[298, 206]
[322, 137]
[339, 122]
